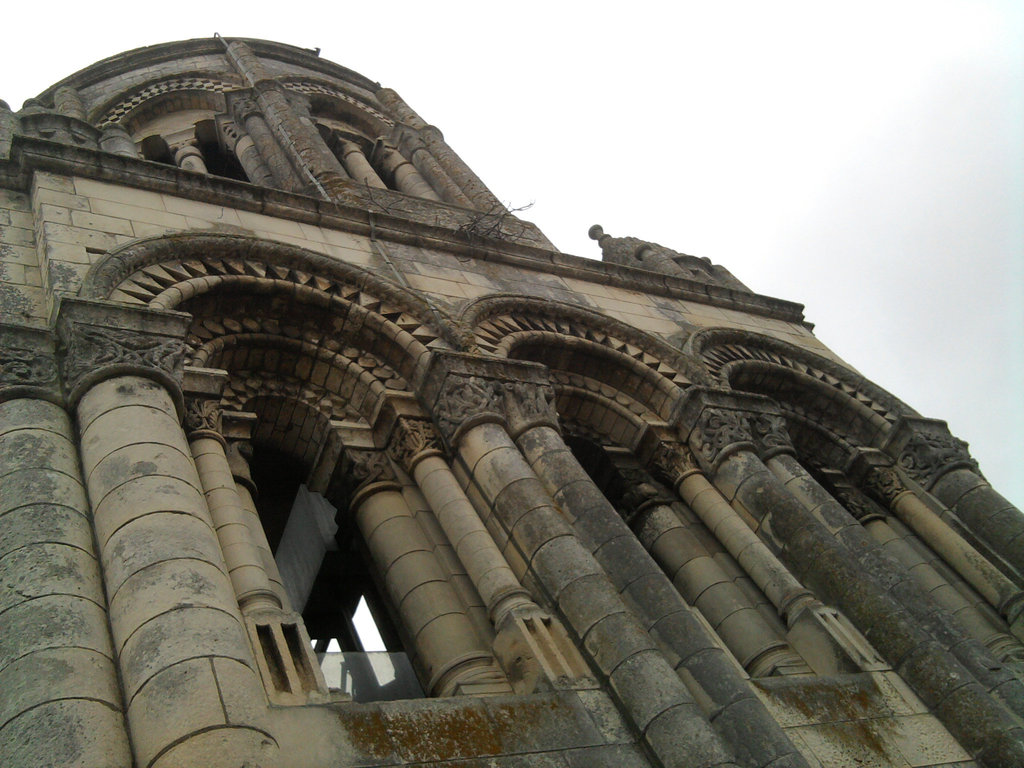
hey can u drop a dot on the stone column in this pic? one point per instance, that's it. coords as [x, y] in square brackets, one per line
[305, 148]
[483, 199]
[633, 572]
[531, 645]
[722, 440]
[778, 453]
[976, 616]
[61, 703]
[241, 145]
[543, 548]
[193, 694]
[248, 115]
[413, 147]
[404, 175]
[446, 646]
[1002, 594]
[189, 158]
[238, 455]
[230, 518]
[359, 167]
[67, 101]
[938, 462]
[759, 647]
[115, 139]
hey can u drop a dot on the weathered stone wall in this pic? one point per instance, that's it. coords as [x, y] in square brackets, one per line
[622, 512]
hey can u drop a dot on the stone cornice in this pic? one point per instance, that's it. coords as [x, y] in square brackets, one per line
[406, 219]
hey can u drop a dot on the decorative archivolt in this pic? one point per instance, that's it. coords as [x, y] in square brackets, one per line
[499, 322]
[162, 272]
[724, 352]
[349, 107]
[128, 103]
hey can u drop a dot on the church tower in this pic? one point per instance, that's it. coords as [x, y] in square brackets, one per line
[314, 455]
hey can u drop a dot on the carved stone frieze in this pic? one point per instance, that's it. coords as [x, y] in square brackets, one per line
[88, 348]
[718, 430]
[928, 455]
[97, 340]
[412, 440]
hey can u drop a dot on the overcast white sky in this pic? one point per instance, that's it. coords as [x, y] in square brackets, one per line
[865, 159]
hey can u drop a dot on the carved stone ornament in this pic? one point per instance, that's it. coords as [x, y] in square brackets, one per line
[885, 484]
[927, 456]
[672, 462]
[467, 397]
[640, 492]
[771, 434]
[857, 505]
[89, 348]
[369, 467]
[529, 404]
[411, 440]
[719, 429]
[202, 415]
[26, 360]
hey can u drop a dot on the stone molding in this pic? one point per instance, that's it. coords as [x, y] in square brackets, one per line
[98, 340]
[28, 367]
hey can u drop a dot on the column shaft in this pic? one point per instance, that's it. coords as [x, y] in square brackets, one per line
[406, 178]
[658, 604]
[985, 513]
[184, 656]
[57, 668]
[446, 645]
[981, 724]
[359, 167]
[653, 697]
[232, 524]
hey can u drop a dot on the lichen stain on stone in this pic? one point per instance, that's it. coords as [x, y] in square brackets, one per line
[432, 734]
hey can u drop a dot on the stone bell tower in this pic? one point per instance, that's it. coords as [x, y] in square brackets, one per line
[273, 359]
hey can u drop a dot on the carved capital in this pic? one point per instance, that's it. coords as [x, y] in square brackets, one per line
[27, 364]
[673, 462]
[770, 434]
[369, 467]
[98, 340]
[857, 505]
[529, 404]
[466, 401]
[885, 484]
[413, 440]
[640, 492]
[202, 418]
[929, 455]
[719, 432]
